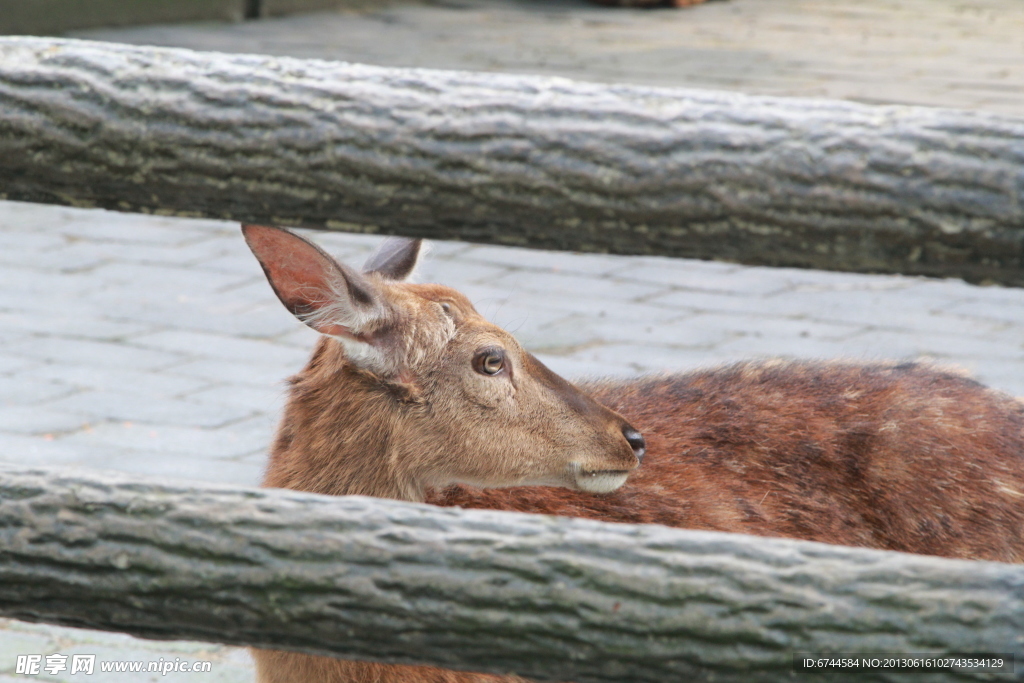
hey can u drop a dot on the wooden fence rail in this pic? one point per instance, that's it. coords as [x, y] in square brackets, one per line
[524, 160]
[518, 160]
[549, 598]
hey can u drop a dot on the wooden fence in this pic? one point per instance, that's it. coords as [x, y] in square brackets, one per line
[521, 160]
[551, 598]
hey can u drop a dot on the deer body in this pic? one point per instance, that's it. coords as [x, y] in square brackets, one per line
[410, 394]
[903, 457]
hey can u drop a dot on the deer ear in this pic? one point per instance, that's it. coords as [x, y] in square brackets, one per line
[329, 297]
[395, 259]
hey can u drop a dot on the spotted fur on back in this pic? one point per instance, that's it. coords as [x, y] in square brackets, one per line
[902, 457]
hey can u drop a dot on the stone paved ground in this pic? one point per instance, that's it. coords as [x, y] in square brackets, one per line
[154, 345]
[953, 53]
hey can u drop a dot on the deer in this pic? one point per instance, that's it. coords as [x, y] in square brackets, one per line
[411, 394]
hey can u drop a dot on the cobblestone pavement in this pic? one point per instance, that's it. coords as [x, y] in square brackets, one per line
[154, 345]
[953, 53]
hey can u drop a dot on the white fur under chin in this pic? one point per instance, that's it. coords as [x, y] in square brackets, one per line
[600, 482]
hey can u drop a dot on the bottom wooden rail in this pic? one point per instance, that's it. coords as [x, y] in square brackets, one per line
[549, 598]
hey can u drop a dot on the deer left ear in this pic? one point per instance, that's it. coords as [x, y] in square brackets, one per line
[396, 258]
[329, 297]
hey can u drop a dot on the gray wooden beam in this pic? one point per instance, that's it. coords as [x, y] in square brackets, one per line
[522, 160]
[550, 598]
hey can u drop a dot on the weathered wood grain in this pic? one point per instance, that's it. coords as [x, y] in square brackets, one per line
[523, 160]
[549, 598]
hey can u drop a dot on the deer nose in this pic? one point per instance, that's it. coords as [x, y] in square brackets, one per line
[636, 442]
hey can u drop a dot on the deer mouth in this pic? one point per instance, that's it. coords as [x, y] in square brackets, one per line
[600, 481]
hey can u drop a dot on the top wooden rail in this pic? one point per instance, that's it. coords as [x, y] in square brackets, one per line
[522, 160]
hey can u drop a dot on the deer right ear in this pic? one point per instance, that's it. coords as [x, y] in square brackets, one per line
[396, 258]
[329, 297]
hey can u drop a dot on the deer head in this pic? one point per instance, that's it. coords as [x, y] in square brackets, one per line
[437, 394]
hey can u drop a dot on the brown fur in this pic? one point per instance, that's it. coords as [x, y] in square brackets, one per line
[894, 456]
[899, 457]
[347, 430]
[395, 401]
[288, 667]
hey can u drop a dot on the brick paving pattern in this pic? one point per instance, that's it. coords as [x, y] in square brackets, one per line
[154, 345]
[951, 53]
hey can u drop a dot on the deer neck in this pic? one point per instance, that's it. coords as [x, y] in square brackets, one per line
[343, 433]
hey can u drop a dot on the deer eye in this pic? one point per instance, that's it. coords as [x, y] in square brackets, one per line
[489, 361]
